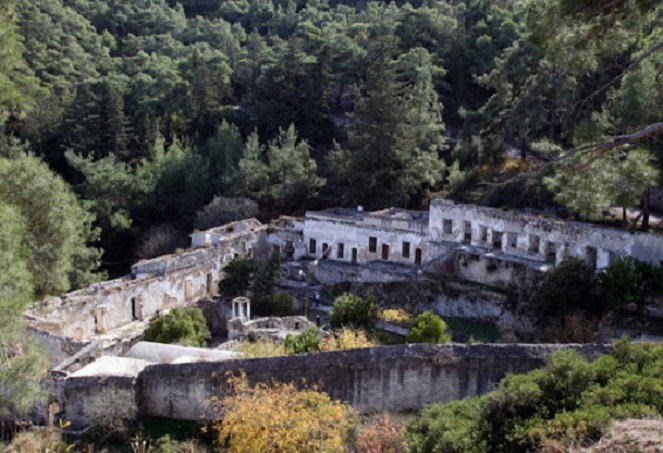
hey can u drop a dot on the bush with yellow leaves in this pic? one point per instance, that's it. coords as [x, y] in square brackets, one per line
[279, 418]
[381, 436]
[396, 316]
[346, 338]
[264, 347]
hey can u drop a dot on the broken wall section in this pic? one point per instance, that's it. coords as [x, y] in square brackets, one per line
[392, 378]
[155, 285]
[538, 239]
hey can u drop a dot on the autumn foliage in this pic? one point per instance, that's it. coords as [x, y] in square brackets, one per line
[346, 338]
[279, 418]
[381, 436]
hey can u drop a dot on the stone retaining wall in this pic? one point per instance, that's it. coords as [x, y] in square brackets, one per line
[393, 378]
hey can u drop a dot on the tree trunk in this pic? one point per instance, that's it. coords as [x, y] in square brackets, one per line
[645, 210]
[553, 109]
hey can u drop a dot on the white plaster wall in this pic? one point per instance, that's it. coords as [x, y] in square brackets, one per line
[351, 235]
[102, 307]
[601, 246]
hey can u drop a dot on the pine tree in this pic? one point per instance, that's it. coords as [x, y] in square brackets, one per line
[23, 364]
[395, 143]
[371, 161]
[58, 228]
[17, 82]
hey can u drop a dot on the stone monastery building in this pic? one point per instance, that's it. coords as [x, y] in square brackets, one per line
[487, 245]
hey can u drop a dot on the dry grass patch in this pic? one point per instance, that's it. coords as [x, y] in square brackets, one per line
[261, 348]
[628, 436]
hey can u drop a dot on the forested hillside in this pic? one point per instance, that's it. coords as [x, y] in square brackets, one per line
[165, 115]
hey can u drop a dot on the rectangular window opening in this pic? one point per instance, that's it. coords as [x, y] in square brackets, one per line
[468, 233]
[312, 246]
[551, 255]
[512, 240]
[340, 250]
[534, 243]
[497, 240]
[483, 233]
[447, 225]
[590, 256]
[134, 309]
[385, 252]
[406, 249]
[372, 244]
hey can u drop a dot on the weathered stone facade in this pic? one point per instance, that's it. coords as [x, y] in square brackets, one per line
[506, 249]
[153, 286]
[391, 378]
[419, 238]
[449, 246]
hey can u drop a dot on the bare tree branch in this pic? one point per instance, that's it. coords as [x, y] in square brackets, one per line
[597, 149]
[634, 64]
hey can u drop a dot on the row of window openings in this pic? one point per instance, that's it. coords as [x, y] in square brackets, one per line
[188, 296]
[372, 248]
[512, 238]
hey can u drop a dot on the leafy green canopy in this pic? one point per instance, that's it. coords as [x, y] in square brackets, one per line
[570, 286]
[571, 400]
[428, 328]
[21, 364]
[351, 310]
[185, 326]
[57, 227]
[305, 342]
[631, 281]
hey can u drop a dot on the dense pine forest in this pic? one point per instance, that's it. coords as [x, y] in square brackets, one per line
[162, 115]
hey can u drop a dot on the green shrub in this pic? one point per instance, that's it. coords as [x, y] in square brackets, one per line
[570, 400]
[631, 281]
[185, 326]
[263, 285]
[282, 304]
[428, 328]
[238, 277]
[567, 288]
[351, 310]
[305, 342]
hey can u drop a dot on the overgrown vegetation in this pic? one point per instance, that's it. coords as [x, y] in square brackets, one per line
[263, 347]
[571, 401]
[631, 281]
[186, 326]
[303, 343]
[299, 421]
[346, 338]
[428, 328]
[396, 316]
[381, 435]
[244, 274]
[351, 310]
[572, 298]
[569, 287]
[237, 277]
[199, 112]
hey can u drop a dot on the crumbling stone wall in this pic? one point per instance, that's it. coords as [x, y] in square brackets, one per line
[538, 239]
[508, 249]
[394, 378]
[356, 237]
[153, 286]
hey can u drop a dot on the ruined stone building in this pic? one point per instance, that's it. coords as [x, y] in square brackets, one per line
[474, 256]
[486, 245]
